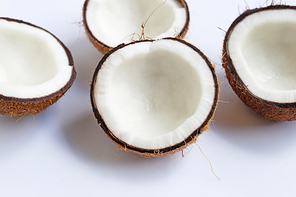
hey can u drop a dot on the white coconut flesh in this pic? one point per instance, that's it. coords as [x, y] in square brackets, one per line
[32, 62]
[263, 50]
[119, 21]
[153, 95]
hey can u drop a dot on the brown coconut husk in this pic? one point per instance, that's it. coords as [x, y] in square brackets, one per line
[149, 153]
[270, 110]
[19, 107]
[104, 48]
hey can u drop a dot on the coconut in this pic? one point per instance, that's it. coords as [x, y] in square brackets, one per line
[260, 63]
[154, 98]
[109, 23]
[36, 68]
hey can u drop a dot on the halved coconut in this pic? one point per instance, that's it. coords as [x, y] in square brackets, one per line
[154, 97]
[259, 57]
[36, 69]
[109, 23]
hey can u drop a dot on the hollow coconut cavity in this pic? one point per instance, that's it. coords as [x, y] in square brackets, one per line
[154, 98]
[36, 69]
[109, 23]
[259, 57]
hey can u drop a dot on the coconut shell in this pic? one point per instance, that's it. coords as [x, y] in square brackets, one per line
[19, 107]
[103, 48]
[149, 153]
[270, 110]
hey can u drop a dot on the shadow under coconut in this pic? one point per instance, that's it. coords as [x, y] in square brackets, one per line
[240, 126]
[89, 143]
[15, 134]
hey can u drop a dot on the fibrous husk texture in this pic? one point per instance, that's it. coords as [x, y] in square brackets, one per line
[268, 109]
[15, 107]
[168, 150]
[19, 108]
[103, 48]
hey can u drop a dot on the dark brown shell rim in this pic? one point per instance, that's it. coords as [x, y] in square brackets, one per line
[63, 89]
[181, 34]
[229, 60]
[162, 151]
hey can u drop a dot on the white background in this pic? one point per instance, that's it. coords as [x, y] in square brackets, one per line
[63, 152]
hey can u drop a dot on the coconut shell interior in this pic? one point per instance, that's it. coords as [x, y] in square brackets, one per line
[19, 107]
[104, 48]
[164, 151]
[270, 110]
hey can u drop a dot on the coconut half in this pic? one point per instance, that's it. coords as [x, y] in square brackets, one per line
[36, 68]
[109, 23]
[154, 97]
[259, 57]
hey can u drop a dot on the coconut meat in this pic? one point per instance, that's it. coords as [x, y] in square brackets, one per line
[153, 95]
[119, 21]
[32, 62]
[263, 50]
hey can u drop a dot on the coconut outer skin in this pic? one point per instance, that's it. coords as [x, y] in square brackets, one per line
[149, 153]
[103, 48]
[270, 110]
[18, 107]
